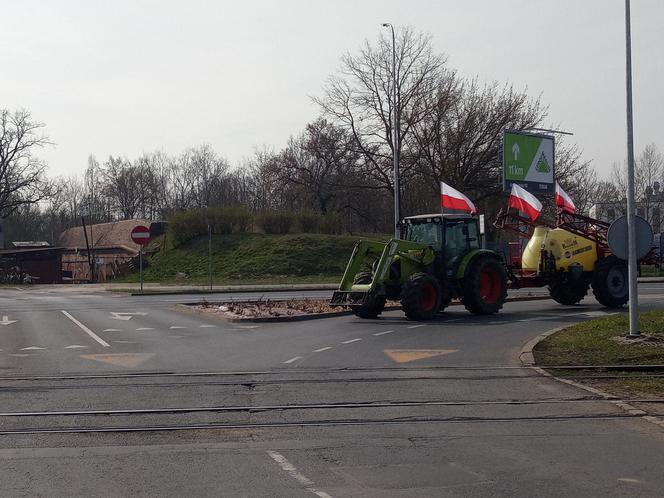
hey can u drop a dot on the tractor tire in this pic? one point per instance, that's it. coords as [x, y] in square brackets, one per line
[377, 304]
[610, 283]
[484, 286]
[568, 292]
[421, 296]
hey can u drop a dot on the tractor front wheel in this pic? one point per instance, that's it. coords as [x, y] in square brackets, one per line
[485, 286]
[610, 283]
[421, 296]
[375, 305]
[566, 291]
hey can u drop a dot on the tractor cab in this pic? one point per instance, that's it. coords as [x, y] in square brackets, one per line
[451, 236]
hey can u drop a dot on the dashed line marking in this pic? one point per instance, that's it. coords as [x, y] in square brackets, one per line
[33, 348]
[293, 360]
[21, 355]
[177, 327]
[383, 333]
[292, 471]
[87, 330]
[144, 328]
[351, 340]
[320, 350]
[207, 326]
[125, 342]
[531, 319]
[75, 346]
[416, 326]
[113, 330]
[453, 320]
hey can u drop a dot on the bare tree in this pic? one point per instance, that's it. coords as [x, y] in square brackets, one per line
[359, 99]
[22, 177]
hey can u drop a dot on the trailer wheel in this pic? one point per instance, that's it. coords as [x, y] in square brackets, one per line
[610, 283]
[421, 296]
[566, 291]
[375, 306]
[484, 286]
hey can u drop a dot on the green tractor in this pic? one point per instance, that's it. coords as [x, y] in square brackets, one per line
[439, 259]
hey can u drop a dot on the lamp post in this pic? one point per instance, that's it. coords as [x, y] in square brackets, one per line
[395, 135]
[631, 204]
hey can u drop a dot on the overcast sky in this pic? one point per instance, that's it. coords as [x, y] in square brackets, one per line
[129, 76]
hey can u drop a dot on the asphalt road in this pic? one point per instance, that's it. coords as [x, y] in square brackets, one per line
[112, 395]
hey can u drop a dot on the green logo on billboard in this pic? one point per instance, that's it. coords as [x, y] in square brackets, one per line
[542, 164]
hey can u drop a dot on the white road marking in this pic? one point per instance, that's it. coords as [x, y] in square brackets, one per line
[248, 326]
[125, 342]
[532, 319]
[351, 340]
[144, 328]
[113, 330]
[321, 349]
[75, 346]
[125, 316]
[207, 326]
[177, 327]
[289, 468]
[32, 348]
[453, 320]
[416, 326]
[87, 330]
[21, 355]
[383, 333]
[293, 359]
[7, 321]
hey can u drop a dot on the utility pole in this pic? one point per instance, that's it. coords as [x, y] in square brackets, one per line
[631, 203]
[395, 136]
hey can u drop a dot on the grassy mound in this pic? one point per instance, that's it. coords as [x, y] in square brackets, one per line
[253, 258]
[601, 342]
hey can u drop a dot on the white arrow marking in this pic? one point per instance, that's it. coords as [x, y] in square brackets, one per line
[126, 316]
[515, 151]
[75, 346]
[7, 321]
[32, 348]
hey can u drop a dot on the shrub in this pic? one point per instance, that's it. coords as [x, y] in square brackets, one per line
[275, 222]
[308, 221]
[331, 223]
[187, 225]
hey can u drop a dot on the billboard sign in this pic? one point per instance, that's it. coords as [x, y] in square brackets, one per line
[529, 161]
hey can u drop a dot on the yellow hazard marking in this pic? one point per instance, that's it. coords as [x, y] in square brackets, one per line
[128, 360]
[406, 355]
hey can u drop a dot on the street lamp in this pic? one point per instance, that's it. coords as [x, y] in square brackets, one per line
[395, 135]
[631, 204]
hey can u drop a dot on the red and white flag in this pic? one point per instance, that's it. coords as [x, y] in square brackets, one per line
[563, 200]
[525, 202]
[453, 199]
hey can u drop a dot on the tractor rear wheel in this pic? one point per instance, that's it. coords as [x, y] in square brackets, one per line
[610, 283]
[375, 305]
[485, 286]
[421, 296]
[566, 291]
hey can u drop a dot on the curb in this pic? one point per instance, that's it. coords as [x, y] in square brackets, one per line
[231, 290]
[528, 360]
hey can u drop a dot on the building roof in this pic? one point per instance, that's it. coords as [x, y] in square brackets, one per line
[103, 235]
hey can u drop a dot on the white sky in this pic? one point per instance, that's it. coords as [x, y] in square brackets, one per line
[122, 77]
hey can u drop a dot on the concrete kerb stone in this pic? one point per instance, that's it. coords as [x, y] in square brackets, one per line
[315, 316]
[527, 359]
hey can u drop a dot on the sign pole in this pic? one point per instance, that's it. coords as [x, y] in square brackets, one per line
[631, 204]
[140, 266]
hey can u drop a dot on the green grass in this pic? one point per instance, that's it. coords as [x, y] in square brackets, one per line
[651, 271]
[593, 343]
[253, 259]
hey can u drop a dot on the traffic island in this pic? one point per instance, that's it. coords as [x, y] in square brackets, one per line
[598, 354]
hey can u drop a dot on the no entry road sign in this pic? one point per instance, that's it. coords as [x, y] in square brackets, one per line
[140, 235]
